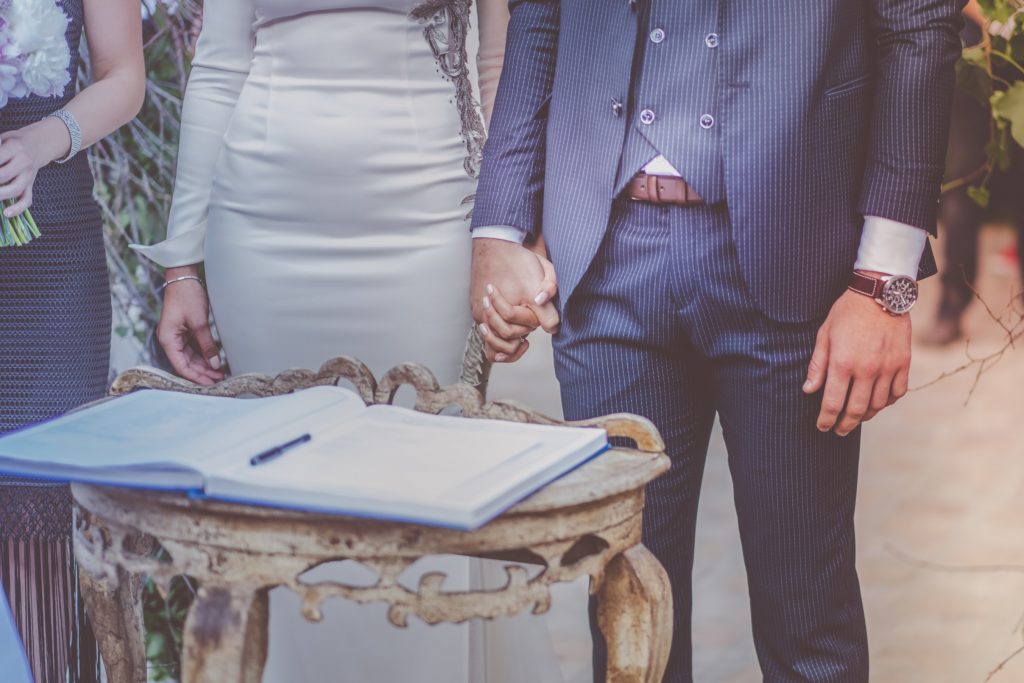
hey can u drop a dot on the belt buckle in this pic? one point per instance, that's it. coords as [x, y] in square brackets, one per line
[648, 189]
[653, 190]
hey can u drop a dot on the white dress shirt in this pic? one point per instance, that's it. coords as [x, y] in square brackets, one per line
[886, 246]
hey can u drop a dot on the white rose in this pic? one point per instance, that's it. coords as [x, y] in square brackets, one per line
[37, 28]
[46, 73]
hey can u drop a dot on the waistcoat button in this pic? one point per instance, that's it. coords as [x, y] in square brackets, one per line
[707, 121]
[657, 36]
[711, 40]
[647, 117]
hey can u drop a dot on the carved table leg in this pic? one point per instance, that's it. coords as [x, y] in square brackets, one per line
[115, 611]
[226, 636]
[634, 612]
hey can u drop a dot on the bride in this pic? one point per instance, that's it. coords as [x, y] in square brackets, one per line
[328, 150]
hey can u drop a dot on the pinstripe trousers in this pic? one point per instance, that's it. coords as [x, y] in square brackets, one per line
[662, 325]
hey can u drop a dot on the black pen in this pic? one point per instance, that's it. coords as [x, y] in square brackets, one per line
[275, 452]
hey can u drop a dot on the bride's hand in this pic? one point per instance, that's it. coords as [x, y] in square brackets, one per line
[184, 330]
[18, 168]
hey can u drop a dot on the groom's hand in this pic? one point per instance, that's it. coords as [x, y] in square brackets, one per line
[862, 359]
[510, 296]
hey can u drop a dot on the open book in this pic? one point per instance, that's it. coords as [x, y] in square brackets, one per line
[321, 449]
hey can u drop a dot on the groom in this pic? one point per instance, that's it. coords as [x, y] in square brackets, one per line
[736, 197]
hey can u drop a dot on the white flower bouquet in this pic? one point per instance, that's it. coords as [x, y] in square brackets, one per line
[34, 60]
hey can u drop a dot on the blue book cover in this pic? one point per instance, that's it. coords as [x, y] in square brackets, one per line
[320, 450]
[13, 663]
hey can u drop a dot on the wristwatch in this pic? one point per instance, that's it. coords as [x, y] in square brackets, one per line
[896, 294]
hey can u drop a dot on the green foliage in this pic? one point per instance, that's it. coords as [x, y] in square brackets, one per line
[999, 10]
[992, 73]
[134, 167]
[980, 195]
[1008, 105]
[164, 619]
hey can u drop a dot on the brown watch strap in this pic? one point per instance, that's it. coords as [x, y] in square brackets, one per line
[866, 285]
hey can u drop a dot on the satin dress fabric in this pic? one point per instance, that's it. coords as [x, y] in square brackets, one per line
[325, 165]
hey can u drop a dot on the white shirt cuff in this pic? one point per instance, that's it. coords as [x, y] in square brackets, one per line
[887, 246]
[500, 232]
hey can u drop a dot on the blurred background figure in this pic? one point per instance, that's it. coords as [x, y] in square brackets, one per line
[962, 216]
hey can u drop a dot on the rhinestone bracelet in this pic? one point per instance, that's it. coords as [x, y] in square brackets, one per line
[73, 128]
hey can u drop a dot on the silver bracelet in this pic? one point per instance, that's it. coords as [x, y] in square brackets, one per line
[73, 128]
[182, 279]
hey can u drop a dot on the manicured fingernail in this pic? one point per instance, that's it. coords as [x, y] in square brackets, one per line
[487, 302]
[541, 298]
[807, 385]
[484, 330]
[490, 289]
[501, 358]
[215, 362]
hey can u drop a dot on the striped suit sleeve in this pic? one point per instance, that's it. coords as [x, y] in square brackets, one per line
[510, 191]
[917, 44]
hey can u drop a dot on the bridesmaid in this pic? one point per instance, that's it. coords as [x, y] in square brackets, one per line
[55, 316]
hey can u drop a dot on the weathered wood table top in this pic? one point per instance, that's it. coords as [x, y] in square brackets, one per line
[586, 523]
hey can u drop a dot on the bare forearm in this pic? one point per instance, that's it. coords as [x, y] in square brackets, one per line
[973, 12]
[109, 103]
[100, 109]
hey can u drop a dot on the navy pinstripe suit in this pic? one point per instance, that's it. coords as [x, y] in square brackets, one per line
[792, 119]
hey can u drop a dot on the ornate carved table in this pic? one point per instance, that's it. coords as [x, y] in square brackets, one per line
[586, 523]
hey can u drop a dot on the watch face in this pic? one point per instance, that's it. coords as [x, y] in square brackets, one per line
[899, 294]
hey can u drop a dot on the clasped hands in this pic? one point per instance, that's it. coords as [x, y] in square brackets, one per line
[860, 363]
[511, 292]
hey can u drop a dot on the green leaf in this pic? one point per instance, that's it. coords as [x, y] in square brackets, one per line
[980, 195]
[155, 644]
[998, 151]
[999, 10]
[1009, 105]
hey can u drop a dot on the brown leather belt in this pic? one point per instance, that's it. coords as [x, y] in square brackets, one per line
[660, 189]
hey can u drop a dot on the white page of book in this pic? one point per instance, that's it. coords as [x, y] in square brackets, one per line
[395, 455]
[176, 431]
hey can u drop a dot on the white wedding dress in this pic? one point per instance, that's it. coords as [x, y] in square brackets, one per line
[328, 151]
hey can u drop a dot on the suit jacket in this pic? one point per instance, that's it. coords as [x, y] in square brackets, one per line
[824, 111]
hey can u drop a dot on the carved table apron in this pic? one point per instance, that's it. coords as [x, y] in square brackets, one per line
[586, 523]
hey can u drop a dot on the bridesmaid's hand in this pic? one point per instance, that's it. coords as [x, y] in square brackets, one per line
[22, 153]
[184, 330]
[18, 169]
